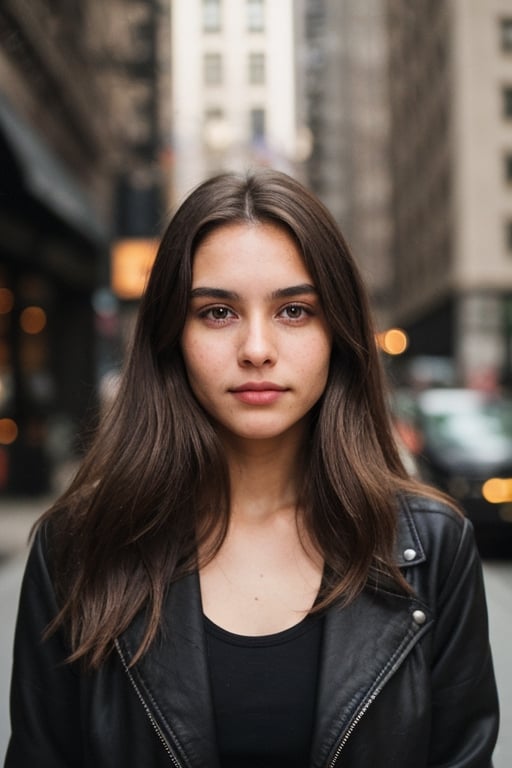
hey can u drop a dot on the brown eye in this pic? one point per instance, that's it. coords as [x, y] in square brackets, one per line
[294, 312]
[219, 313]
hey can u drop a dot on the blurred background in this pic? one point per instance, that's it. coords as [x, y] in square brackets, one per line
[397, 114]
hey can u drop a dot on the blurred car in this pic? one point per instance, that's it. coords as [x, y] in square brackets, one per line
[461, 439]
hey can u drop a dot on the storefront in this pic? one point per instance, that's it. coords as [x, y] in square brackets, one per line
[52, 244]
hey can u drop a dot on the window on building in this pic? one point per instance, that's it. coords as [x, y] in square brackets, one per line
[508, 236]
[211, 15]
[212, 68]
[213, 113]
[507, 101]
[256, 68]
[506, 34]
[508, 167]
[217, 131]
[257, 118]
[255, 16]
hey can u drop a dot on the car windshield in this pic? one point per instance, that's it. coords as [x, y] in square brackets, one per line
[467, 426]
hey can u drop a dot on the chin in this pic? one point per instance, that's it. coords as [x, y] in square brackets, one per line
[261, 432]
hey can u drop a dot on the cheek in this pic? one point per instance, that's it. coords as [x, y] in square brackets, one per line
[314, 366]
[201, 362]
[191, 355]
[322, 360]
[194, 364]
[316, 355]
[320, 376]
[197, 374]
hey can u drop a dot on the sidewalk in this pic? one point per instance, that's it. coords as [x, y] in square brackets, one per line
[17, 516]
[11, 573]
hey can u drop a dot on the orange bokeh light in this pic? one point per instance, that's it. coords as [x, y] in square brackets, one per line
[6, 301]
[394, 341]
[33, 320]
[8, 431]
[497, 490]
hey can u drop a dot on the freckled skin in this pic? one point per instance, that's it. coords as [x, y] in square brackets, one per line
[255, 319]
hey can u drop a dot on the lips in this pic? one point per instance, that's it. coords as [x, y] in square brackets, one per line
[258, 392]
[258, 386]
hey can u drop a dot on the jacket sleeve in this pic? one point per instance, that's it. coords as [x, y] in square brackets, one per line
[464, 696]
[45, 692]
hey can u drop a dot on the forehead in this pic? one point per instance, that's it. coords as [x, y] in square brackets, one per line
[248, 249]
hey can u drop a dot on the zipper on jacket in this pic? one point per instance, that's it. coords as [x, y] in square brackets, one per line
[362, 712]
[147, 710]
[364, 709]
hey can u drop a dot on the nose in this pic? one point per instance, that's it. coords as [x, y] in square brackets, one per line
[257, 343]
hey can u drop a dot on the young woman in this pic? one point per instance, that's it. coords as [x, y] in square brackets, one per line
[242, 574]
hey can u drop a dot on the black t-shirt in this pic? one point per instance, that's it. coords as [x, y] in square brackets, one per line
[264, 694]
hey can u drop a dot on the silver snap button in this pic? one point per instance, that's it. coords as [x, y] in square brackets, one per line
[409, 554]
[419, 617]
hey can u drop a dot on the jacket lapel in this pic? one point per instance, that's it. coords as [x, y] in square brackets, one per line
[173, 675]
[363, 646]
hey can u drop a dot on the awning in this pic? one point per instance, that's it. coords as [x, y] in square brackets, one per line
[47, 179]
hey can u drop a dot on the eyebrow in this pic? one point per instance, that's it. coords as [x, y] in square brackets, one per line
[280, 293]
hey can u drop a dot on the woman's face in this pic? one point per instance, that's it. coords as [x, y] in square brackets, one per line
[255, 343]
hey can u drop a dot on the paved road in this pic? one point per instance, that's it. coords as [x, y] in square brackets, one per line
[498, 581]
[498, 577]
[10, 576]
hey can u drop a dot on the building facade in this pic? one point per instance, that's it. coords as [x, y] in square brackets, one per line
[451, 102]
[344, 100]
[233, 85]
[66, 131]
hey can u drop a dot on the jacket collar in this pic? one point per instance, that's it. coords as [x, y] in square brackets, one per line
[364, 643]
[409, 547]
[173, 676]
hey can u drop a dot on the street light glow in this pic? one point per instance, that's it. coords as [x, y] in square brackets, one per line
[393, 341]
[8, 431]
[496, 490]
[33, 320]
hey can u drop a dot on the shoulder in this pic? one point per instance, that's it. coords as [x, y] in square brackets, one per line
[37, 565]
[434, 534]
[44, 553]
[438, 532]
[432, 517]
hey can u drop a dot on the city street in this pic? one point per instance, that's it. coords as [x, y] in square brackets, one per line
[14, 527]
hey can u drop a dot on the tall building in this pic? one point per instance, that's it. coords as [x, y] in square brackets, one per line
[66, 131]
[344, 99]
[451, 100]
[137, 68]
[233, 84]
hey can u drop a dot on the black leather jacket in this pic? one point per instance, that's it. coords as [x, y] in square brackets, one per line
[404, 682]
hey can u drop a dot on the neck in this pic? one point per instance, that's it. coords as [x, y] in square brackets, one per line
[264, 478]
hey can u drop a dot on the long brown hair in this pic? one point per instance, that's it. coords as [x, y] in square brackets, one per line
[155, 479]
